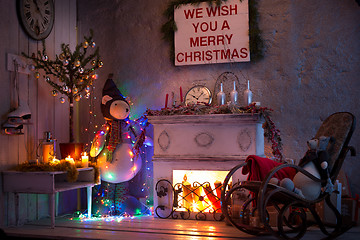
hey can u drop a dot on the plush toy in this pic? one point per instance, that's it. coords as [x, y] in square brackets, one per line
[113, 149]
[315, 162]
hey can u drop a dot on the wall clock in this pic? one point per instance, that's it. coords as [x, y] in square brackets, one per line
[198, 94]
[36, 17]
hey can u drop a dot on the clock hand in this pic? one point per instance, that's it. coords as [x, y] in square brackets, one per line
[37, 8]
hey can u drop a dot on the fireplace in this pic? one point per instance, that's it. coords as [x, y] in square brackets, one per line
[192, 156]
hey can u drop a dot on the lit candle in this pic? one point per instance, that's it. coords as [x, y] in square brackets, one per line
[70, 160]
[55, 161]
[85, 160]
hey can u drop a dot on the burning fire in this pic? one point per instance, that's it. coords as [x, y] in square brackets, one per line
[201, 190]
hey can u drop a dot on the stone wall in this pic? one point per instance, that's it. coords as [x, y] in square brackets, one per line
[310, 69]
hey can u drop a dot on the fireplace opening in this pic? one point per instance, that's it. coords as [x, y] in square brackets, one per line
[199, 191]
[193, 194]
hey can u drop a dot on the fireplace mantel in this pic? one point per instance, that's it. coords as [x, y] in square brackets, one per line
[205, 137]
[212, 142]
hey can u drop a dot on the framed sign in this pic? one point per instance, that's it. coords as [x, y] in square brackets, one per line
[209, 33]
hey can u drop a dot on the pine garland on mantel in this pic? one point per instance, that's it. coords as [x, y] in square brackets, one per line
[270, 131]
[256, 42]
[62, 165]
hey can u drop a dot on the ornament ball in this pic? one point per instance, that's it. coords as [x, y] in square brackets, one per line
[85, 44]
[62, 100]
[94, 76]
[62, 56]
[54, 93]
[65, 62]
[45, 58]
[77, 63]
[37, 74]
[77, 97]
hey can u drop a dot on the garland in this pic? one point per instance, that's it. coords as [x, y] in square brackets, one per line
[271, 133]
[64, 166]
[256, 42]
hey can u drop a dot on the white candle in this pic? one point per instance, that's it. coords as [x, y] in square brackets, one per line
[55, 161]
[85, 160]
[70, 160]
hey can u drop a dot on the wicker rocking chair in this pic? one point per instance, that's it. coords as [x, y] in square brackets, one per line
[291, 214]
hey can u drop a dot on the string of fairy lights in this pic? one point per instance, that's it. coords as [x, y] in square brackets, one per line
[101, 195]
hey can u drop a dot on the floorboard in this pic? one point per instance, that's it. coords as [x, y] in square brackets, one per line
[145, 227]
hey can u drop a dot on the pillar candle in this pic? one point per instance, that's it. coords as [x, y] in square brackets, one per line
[218, 186]
[213, 199]
[85, 160]
[181, 96]
[166, 100]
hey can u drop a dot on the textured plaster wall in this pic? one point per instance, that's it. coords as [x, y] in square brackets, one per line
[310, 69]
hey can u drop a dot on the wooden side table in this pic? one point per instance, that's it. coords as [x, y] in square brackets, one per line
[47, 183]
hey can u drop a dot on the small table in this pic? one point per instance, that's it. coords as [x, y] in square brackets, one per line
[47, 183]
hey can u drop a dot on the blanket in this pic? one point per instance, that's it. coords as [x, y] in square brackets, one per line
[259, 167]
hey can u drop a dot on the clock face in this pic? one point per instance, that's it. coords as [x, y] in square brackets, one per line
[198, 94]
[36, 17]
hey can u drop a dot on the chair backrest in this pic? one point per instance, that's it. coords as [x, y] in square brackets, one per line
[341, 126]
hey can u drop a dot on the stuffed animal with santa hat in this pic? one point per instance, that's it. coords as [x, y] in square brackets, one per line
[113, 148]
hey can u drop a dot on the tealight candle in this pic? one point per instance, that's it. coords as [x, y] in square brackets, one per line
[85, 160]
[70, 160]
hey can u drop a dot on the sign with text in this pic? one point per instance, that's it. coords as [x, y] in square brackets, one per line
[209, 34]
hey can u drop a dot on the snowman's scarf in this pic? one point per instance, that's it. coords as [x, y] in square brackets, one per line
[115, 137]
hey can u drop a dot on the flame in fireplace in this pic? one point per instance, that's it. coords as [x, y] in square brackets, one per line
[201, 190]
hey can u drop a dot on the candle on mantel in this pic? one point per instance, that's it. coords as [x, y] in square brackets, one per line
[85, 160]
[70, 160]
[166, 100]
[181, 96]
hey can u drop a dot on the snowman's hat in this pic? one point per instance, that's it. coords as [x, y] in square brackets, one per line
[110, 89]
[110, 94]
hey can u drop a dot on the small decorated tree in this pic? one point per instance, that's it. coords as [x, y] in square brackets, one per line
[71, 73]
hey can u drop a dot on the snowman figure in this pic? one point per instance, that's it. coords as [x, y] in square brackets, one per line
[113, 149]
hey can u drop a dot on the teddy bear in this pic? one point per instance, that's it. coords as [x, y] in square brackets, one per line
[113, 148]
[315, 162]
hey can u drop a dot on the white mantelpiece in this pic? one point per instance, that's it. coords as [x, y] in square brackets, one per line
[227, 136]
[203, 142]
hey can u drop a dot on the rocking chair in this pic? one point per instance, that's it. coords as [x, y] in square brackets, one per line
[293, 214]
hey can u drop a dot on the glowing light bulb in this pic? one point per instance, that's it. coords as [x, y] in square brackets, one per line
[131, 154]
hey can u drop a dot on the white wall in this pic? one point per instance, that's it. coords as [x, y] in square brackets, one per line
[48, 114]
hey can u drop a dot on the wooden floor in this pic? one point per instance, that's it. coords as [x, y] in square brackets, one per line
[144, 228]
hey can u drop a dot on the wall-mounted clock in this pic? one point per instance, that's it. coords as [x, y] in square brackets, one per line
[36, 17]
[198, 94]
